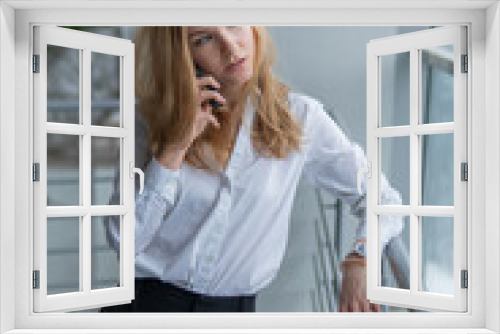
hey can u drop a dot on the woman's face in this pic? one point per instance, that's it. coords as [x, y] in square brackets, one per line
[215, 49]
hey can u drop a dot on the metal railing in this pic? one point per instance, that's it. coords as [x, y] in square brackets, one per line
[325, 296]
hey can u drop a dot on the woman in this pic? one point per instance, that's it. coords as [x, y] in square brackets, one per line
[212, 222]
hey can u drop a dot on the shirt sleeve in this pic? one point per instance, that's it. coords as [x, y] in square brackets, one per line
[161, 189]
[332, 163]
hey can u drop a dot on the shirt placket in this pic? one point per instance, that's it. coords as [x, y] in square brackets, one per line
[207, 246]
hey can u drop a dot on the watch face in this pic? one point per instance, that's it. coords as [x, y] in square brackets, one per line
[361, 249]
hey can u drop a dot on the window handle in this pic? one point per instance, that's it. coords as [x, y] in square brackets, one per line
[368, 171]
[138, 171]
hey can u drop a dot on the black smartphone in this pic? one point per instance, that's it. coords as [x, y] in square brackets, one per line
[201, 73]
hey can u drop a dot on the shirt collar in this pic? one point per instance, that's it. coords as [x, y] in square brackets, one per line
[246, 127]
[250, 110]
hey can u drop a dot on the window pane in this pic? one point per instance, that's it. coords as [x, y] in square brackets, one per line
[395, 165]
[63, 85]
[395, 89]
[105, 165]
[63, 255]
[63, 170]
[437, 84]
[105, 89]
[437, 169]
[105, 263]
[395, 271]
[437, 254]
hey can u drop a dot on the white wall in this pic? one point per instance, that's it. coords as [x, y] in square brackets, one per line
[7, 170]
[492, 185]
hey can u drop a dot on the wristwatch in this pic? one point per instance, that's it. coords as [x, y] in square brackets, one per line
[359, 248]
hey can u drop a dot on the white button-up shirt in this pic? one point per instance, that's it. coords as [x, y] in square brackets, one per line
[226, 234]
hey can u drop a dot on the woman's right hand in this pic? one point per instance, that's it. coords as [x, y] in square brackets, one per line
[204, 111]
[173, 157]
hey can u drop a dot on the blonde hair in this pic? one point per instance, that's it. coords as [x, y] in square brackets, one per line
[166, 89]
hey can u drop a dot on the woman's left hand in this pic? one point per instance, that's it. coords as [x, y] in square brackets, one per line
[353, 292]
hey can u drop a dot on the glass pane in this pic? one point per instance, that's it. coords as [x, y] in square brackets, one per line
[105, 89]
[437, 84]
[437, 169]
[63, 255]
[395, 268]
[437, 254]
[63, 171]
[105, 166]
[395, 165]
[105, 255]
[395, 89]
[63, 85]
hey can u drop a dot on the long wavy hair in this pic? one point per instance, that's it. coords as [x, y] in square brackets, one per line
[166, 90]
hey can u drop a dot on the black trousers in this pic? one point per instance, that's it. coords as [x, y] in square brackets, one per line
[153, 295]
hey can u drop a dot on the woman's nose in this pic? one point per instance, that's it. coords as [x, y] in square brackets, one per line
[230, 46]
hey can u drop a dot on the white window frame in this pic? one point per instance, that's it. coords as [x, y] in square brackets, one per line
[413, 43]
[16, 21]
[84, 43]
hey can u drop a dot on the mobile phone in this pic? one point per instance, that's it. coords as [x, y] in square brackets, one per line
[201, 73]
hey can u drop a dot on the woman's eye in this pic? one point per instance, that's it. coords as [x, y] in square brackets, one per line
[201, 40]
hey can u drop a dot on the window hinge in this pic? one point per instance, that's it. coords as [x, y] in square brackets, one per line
[36, 171]
[465, 279]
[36, 63]
[465, 64]
[465, 172]
[36, 279]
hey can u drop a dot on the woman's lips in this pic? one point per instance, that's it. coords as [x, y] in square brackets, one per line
[236, 65]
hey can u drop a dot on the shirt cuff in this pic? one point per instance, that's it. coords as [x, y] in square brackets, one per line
[162, 180]
[392, 228]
